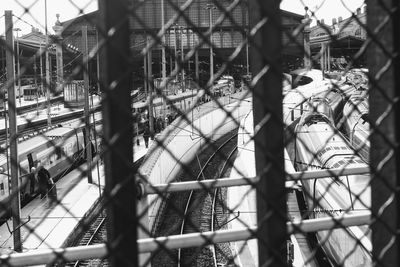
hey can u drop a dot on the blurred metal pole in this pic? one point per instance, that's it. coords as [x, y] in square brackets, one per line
[145, 83]
[210, 7]
[150, 87]
[12, 114]
[384, 115]
[122, 221]
[176, 50]
[18, 67]
[85, 64]
[265, 62]
[47, 46]
[196, 65]
[182, 58]
[164, 67]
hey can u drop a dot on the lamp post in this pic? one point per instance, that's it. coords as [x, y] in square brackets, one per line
[210, 7]
[18, 66]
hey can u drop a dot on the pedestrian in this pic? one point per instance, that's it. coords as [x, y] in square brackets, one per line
[46, 184]
[146, 136]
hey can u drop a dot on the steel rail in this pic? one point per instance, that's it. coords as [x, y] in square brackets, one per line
[192, 191]
[147, 245]
[214, 202]
[102, 221]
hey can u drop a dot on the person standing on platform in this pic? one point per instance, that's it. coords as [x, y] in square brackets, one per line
[46, 184]
[146, 135]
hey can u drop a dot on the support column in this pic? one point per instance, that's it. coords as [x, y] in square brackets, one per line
[384, 115]
[85, 64]
[12, 114]
[120, 188]
[322, 61]
[266, 52]
[58, 28]
[196, 65]
[307, 49]
[150, 87]
[328, 61]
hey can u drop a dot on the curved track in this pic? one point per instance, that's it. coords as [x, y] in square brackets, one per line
[192, 211]
[94, 235]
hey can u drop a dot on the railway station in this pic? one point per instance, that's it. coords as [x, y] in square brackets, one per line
[199, 133]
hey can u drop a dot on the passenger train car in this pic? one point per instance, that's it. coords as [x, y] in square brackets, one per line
[319, 145]
[356, 125]
[182, 101]
[58, 150]
[335, 99]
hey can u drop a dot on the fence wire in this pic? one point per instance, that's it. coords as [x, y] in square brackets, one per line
[199, 133]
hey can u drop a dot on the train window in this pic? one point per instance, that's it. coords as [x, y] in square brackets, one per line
[341, 162]
[322, 152]
[344, 148]
[328, 148]
[336, 165]
[336, 148]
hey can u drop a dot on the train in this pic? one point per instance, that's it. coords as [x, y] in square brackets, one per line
[183, 101]
[59, 150]
[319, 145]
[335, 99]
[356, 125]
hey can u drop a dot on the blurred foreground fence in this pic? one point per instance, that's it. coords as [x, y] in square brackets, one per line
[269, 132]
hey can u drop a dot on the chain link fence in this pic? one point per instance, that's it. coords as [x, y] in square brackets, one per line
[200, 133]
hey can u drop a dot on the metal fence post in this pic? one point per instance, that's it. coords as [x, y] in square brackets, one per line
[267, 108]
[85, 63]
[115, 81]
[12, 113]
[384, 115]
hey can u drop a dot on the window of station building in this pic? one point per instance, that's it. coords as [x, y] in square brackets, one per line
[358, 32]
[236, 39]
[2, 191]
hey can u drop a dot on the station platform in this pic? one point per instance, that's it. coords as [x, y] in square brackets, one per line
[40, 113]
[46, 225]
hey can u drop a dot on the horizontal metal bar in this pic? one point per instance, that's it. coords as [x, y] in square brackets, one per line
[240, 181]
[330, 222]
[198, 185]
[180, 241]
[326, 173]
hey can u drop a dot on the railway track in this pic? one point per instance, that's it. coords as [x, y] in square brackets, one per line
[96, 234]
[202, 210]
[215, 217]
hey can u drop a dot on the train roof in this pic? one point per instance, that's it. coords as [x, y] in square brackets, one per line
[43, 138]
[59, 132]
[158, 100]
[319, 110]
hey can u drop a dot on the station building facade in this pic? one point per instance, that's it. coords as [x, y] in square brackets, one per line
[185, 34]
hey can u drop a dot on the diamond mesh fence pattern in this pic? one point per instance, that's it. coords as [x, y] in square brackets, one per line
[199, 133]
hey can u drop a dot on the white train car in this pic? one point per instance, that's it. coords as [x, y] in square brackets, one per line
[320, 146]
[58, 150]
[356, 125]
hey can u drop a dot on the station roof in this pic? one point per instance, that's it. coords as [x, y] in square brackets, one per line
[337, 41]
